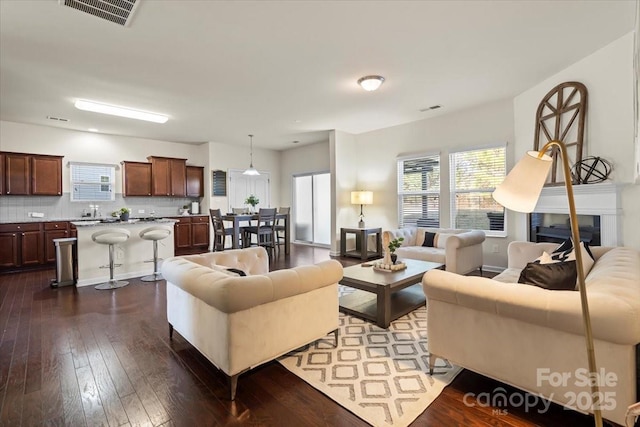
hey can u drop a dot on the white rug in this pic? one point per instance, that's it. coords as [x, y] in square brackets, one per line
[380, 375]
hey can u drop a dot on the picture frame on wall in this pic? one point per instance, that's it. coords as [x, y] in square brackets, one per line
[218, 183]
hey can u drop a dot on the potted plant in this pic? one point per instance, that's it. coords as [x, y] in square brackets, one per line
[253, 201]
[124, 214]
[393, 245]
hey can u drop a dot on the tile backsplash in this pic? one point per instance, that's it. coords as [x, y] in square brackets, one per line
[17, 208]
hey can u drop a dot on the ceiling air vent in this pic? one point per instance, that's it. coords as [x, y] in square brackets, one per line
[433, 107]
[57, 119]
[118, 11]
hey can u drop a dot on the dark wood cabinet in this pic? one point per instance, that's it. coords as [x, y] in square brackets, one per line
[31, 174]
[46, 175]
[191, 234]
[53, 230]
[21, 245]
[195, 181]
[2, 174]
[168, 176]
[9, 250]
[200, 232]
[136, 179]
[17, 175]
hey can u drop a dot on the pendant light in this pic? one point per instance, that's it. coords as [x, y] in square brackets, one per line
[251, 170]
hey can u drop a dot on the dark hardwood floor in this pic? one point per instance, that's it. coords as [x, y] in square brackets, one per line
[85, 357]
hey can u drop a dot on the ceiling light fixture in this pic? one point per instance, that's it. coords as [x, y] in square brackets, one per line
[114, 110]
[370, 83]
[92, 130]
[251, 171]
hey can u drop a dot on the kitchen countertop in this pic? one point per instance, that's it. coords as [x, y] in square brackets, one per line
[97, 223]
[76, 219]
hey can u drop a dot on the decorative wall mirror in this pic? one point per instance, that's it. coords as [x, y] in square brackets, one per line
[561, 116]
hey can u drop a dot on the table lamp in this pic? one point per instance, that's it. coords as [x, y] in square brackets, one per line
[361, 198]
[520, 192]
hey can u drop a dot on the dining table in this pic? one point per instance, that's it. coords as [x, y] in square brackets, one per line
[236, 219]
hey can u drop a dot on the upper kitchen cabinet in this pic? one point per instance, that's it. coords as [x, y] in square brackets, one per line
[168, 176]
[136, 179]
[31, 174]
[46, 175]
[195, 181]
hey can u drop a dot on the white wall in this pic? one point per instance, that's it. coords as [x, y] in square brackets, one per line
[608, 76]
[301, 160]
[377, 152]
[344, 158]
[224, 157]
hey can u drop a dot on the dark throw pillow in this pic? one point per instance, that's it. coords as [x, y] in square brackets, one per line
[557, 276]
[238, 272]
[428, 239]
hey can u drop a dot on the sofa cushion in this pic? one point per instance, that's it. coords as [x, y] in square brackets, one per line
[421, 253]
[566, 252]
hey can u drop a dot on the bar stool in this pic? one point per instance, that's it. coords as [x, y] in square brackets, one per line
[154, 234]
[111, 237]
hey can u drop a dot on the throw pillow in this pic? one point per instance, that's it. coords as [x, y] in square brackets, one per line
[566, 252]
[560, 276]
[233, 272]
[440, 240]
[428, 239]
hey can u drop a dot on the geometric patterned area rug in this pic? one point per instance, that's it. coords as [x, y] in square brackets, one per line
[380, 375]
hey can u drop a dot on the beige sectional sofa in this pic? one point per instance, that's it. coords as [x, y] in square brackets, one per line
[462, 252]
[241, 322]
[522, 334]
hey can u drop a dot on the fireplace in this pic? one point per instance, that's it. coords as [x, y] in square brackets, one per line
[599, 214]
[550, 227]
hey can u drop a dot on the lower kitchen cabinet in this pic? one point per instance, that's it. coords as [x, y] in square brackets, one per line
[53, 230]
[21, 245]
[191, 234]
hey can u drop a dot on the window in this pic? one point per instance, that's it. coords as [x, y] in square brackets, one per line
[92, 182]
[419, 191]
[474, 175]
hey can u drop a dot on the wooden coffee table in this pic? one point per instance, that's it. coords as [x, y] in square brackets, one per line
[384, 296]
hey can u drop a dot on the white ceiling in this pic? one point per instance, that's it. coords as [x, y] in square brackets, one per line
[286, 70]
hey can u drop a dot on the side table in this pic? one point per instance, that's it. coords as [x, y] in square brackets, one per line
[361, 251]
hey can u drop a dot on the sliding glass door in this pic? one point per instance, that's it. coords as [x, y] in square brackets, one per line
[312, 208]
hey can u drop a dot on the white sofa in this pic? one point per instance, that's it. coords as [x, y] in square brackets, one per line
[241, 322]
[461, 252]
[508, 331]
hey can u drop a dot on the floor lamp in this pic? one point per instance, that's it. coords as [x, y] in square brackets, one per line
[520, 192]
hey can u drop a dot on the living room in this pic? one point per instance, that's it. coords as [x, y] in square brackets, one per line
[366, 159]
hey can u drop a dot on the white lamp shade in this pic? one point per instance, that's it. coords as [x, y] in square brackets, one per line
[521, 189]
[362, 197]
[251, 171]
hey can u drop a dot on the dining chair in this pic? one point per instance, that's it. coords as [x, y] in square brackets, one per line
[220, 233]
[264, 230]
[280, 227]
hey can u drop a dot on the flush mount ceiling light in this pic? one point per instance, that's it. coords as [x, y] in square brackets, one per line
[114, 110]
[370, 83]
[251, 170]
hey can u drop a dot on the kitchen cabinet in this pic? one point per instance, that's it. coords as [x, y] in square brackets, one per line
[46, 175]
[21, 245]
[53, 230]
[168, 176]
[191, 234]
[31, 174]
[195, 181]
[2, 173]
[136, 179]
[16, 169]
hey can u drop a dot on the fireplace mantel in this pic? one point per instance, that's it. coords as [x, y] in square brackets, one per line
[591, 199]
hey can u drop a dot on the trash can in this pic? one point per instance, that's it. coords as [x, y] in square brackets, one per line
[66, 262]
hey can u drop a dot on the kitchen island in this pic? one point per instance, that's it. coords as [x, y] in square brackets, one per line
[134, 255]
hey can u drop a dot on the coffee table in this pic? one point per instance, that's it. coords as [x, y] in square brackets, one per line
[384, 296]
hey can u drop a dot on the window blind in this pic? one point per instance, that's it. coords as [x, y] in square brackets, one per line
[219, 183]
[474, 174]
[92, 182]
[419, 191]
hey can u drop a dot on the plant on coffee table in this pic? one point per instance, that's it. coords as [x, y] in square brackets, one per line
[393, 245]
